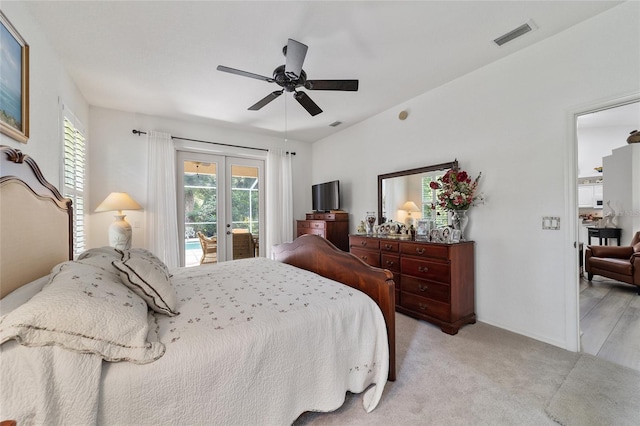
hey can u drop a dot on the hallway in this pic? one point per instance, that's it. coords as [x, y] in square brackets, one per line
[610, 321]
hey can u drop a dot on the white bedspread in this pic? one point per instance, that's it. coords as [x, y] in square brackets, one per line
[256, 342]
[48, 385]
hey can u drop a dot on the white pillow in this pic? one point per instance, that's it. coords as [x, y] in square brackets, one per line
[21, 294]
[86, 310]
[148, 277]
[101, 257]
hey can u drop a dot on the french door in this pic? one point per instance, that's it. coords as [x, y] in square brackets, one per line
[220, 198]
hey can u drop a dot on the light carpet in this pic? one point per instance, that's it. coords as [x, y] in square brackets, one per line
[597, 392]
[484, 375]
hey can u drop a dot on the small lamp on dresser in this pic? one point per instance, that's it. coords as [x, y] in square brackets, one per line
[409, 207]
[119, 230]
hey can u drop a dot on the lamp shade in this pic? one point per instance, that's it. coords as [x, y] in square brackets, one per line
[410, 206]
[119, 230]
[118, 201]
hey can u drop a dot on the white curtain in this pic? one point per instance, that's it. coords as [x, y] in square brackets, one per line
[161, 211]
[279, 199]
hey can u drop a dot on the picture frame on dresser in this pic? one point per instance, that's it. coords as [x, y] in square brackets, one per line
[445, 234]
[423, 227]
[14, 85]
[455, 236]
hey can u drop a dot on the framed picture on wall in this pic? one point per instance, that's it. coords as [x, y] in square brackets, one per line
[14, 84]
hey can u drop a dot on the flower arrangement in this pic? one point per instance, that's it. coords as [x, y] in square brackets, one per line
[456, 190]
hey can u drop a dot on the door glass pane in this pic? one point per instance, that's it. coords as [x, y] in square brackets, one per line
[200, 212]
[245, 212]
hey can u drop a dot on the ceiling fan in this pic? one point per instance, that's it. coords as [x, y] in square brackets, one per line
[291, 76]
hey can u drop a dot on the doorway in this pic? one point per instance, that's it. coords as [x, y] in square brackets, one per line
[604, 176]
[220, 207]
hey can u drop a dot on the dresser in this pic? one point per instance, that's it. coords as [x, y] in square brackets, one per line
[331, 226]
[434, 282]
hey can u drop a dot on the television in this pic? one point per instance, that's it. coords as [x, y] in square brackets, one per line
[326, 196]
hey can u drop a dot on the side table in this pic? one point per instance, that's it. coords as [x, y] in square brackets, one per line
[604, 234]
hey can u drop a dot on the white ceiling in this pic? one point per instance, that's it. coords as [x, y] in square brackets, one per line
[160, 58]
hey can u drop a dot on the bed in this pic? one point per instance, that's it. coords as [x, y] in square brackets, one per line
[253, 341]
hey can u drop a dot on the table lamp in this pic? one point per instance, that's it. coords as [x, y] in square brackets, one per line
[119, 230]
[409, 207]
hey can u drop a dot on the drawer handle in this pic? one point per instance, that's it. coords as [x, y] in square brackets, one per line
[363, 257]
[363, 243]
[390, 262]
[388, 246]
[422, 306]
[423, 287]
[419, 250]
[423, 269]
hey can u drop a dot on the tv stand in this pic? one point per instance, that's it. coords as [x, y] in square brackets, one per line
[331, 226]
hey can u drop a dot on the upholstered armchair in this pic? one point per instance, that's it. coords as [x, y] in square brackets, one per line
[621, 263]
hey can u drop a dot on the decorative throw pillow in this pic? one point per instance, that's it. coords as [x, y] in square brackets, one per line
[102, 257]
[86, 310]
[148, 277]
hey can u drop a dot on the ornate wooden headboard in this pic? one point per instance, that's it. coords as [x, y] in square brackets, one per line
[35, 222]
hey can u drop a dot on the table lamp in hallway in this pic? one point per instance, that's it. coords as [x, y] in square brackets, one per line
[119, 230]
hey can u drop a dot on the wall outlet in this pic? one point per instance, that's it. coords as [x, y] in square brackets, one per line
[551, 222]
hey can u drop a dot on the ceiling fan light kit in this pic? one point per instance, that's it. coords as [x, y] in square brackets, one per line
[291, 77]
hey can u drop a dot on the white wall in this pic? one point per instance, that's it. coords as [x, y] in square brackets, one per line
[49, 84]
[512, 120]
[621, 190]
[118, 162]
[596, 143]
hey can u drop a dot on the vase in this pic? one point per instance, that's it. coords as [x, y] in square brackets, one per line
[460, 221]
[370, 221]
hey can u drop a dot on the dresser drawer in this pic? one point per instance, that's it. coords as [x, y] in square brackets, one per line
[364, 242]
[390, 246]
[314, 224]
[438, 251]
[317, 231]
[422, 305]
[390, 262]
[424, 288]
[369, 257]
[303, 224]
[435, 271]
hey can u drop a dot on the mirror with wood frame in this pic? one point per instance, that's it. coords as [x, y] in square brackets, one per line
[397, 189]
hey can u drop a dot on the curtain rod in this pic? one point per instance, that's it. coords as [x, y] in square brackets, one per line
[139, 132]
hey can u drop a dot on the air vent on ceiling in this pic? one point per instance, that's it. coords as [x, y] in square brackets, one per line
[515, 33]
[335, 123]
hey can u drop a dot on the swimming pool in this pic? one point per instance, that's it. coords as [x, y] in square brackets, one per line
[192, 245]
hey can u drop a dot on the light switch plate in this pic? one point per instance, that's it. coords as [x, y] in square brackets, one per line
[551, 222]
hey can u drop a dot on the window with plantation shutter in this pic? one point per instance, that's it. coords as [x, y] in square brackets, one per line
[74, 176]
[430, 199]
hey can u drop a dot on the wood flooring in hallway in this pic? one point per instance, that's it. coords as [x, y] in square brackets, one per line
[610, 321]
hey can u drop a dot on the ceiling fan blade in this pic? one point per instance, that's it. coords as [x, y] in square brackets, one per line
[307, 103]
[348, 85]
[262, 102]
[295, 55]
[245, 73]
